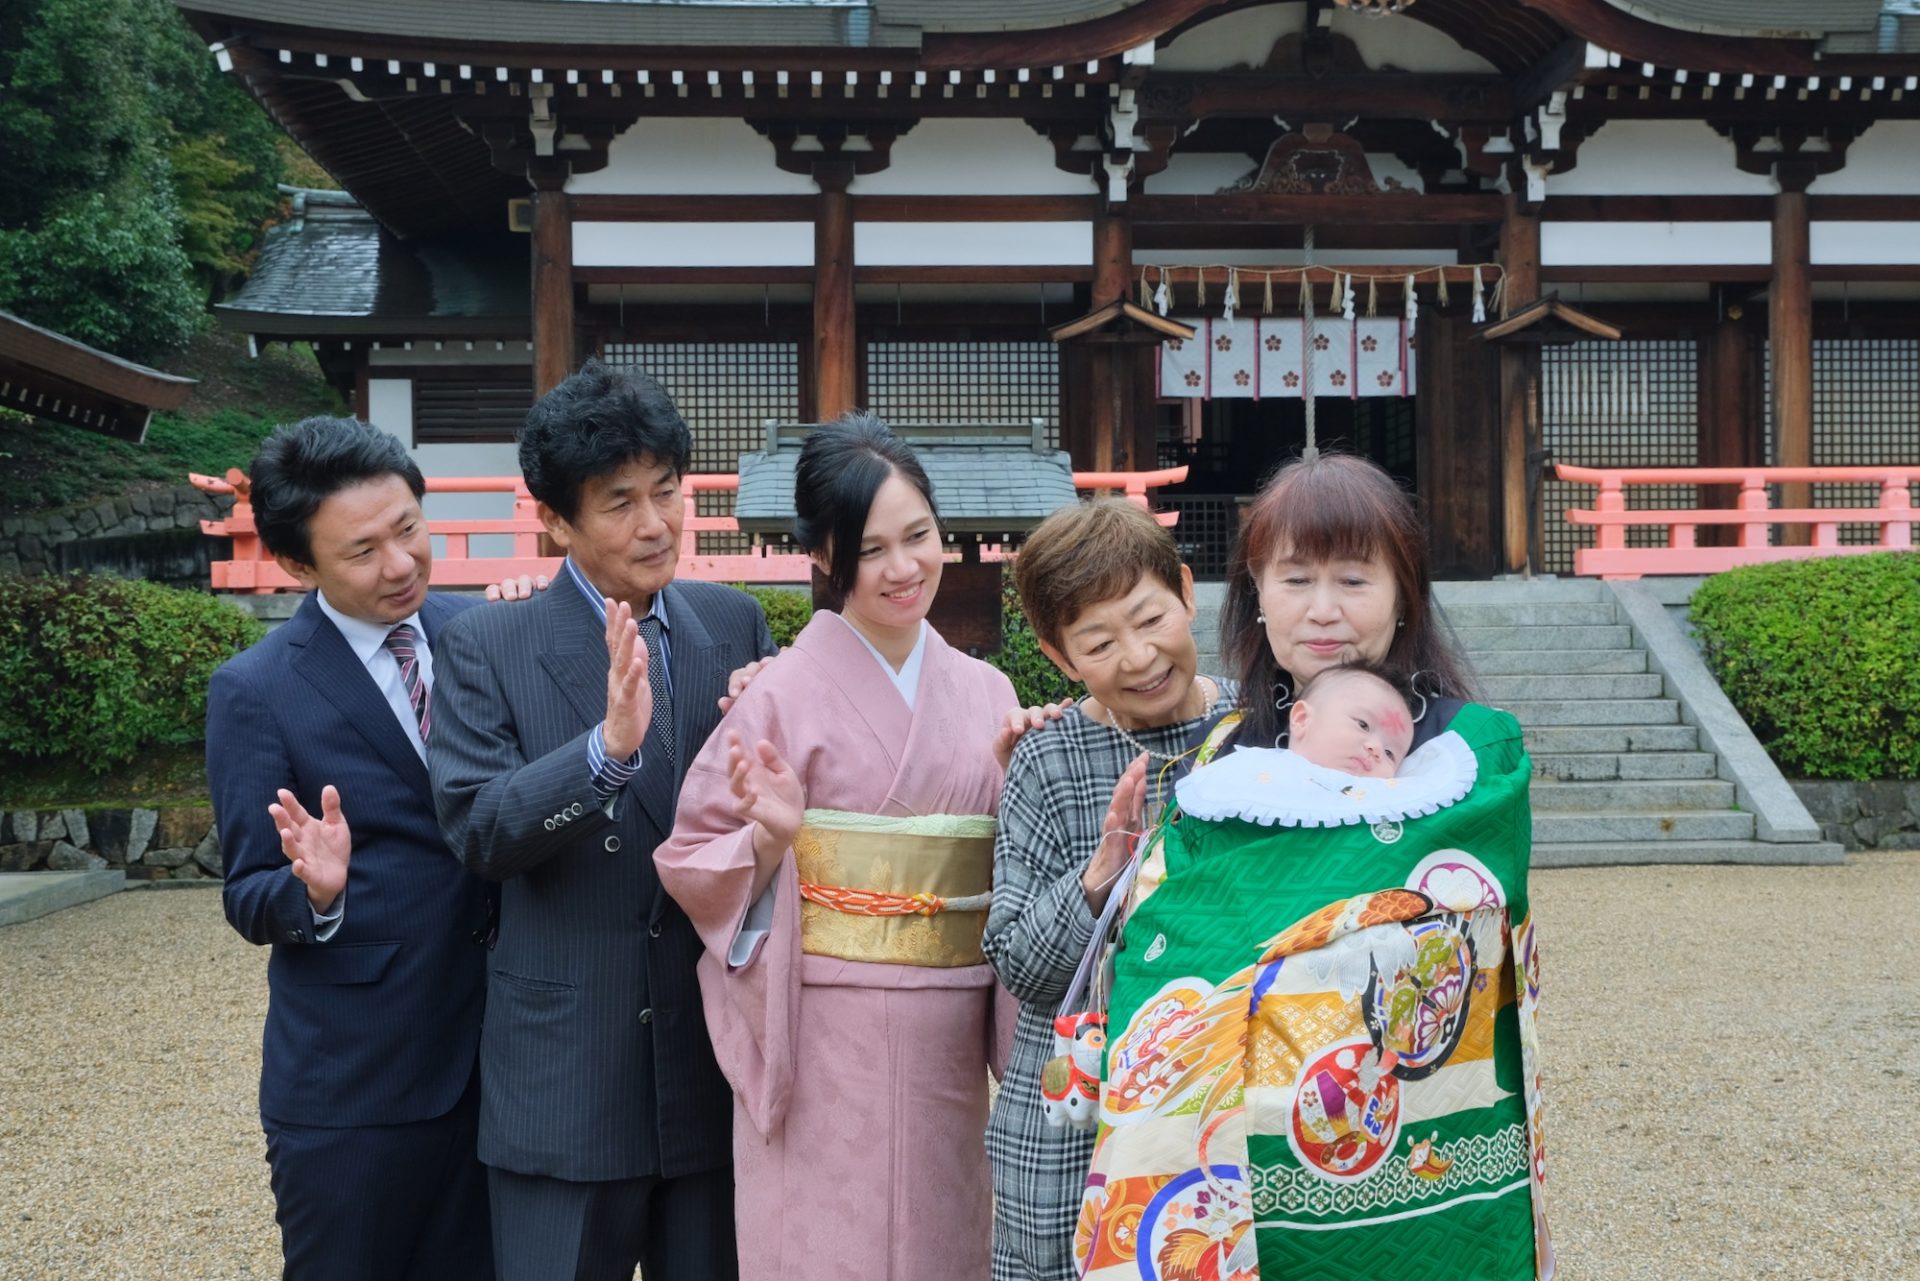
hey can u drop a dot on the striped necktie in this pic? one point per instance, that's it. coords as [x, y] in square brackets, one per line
[399, 642]
[657, 684]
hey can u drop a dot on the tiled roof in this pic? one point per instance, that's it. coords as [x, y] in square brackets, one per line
[332, 269]
[985, 489]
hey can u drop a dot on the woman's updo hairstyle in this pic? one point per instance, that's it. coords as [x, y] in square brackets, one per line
[842, 466]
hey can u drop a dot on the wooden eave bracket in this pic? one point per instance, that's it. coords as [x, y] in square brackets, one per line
[1546, 323]
[1122, 322]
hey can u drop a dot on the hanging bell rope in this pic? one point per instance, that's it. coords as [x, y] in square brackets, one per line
[1312, 449]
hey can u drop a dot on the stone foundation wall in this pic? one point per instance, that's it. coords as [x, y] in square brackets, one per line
[1865, 816]
[108, 533]
[177, 844]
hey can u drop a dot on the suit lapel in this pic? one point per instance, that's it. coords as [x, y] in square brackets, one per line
[697, 670]
[325, 660]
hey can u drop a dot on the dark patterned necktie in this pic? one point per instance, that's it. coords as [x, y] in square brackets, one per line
[400, 643]
[657, 682]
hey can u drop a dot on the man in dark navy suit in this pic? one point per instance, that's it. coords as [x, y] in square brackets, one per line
[316, 752]
[567, 726]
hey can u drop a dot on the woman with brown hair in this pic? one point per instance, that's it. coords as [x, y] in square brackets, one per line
[1320, 1050]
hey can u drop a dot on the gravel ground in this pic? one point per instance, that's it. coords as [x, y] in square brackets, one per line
[1709, 1033]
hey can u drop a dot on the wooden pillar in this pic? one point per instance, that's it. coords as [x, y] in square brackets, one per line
[1111, 379]
[1519, 389]
[1725, 418]
[1790, 327]
[552, 290]
[835, 341]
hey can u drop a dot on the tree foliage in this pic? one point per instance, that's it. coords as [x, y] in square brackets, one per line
[137, 175]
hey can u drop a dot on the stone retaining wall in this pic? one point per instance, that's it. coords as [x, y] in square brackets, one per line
[77, 537]
[1865, 816]
[177, 844]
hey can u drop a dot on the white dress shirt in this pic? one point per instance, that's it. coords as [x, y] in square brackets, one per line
[368, 641]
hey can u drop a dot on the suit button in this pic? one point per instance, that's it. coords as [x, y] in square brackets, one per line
[613, 845]
[646, 1016]
[573, 811]
[653, 931]
[550, 825]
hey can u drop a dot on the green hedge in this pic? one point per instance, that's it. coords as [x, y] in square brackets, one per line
[1822, 657]
[99, 668]
[1035, 679]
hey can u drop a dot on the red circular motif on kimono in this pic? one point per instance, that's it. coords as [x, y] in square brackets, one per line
[1340, 1129]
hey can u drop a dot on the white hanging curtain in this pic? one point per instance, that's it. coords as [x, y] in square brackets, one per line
[1257, 357]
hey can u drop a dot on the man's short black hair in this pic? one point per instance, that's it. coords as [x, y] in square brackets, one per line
[302, 464]
[593, 424]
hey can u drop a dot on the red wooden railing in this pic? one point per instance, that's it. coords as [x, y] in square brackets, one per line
[1610, 557]
[253, 570]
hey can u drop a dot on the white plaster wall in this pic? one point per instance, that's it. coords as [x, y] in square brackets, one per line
[1199, 173]
[690, 157]
[1655, 244]
[693, 244]
[1865, 243]
[1657, 158]
[390, 408]
[971, 244]
[1883, 161]
[1047, 300]
[1247, 36]
[971, 158]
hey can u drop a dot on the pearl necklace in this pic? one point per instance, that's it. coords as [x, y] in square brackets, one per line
[1163, 757]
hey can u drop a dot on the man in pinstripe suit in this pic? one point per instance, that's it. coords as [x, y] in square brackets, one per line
[564, 727]
[369, 1089]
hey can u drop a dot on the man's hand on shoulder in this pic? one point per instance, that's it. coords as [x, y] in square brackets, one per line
[521, 588]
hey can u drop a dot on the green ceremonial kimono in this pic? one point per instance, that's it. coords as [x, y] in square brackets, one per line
[1321, 1059]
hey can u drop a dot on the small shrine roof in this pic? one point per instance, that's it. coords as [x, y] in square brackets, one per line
[983, 483]
[332, 270]
[48, 375]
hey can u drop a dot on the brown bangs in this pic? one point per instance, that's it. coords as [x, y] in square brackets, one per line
[1333, 508]
[1088, 553]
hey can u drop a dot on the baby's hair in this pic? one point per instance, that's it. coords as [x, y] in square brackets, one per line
[1401, 688]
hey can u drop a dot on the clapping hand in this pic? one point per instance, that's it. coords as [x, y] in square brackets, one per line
[320, 848]
[1125, 814]
[629, 698]
[767, 793]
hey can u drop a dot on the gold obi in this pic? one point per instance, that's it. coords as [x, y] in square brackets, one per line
[895, 891]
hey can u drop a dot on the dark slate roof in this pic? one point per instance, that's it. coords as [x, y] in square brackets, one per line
[979, 489]
[687, 23]
[1764, 18]
[331, 269]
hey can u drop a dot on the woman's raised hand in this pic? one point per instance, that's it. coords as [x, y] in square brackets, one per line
[1125, 814]
[767, 793]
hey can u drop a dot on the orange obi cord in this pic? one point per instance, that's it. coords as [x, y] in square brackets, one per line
[880, 903]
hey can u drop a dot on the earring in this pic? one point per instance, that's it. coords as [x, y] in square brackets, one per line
[1260, 619]
[1413, 686]
[1400, 622]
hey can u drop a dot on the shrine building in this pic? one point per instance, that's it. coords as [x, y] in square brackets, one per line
[1466, 238]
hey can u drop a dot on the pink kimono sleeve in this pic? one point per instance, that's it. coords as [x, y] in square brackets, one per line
[707, 865]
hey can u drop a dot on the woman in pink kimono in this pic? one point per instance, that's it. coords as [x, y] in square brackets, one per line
[834, 847]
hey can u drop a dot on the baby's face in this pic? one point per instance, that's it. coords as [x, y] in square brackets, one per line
[1355, 724]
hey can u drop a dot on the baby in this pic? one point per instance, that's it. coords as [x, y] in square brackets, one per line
[1354, 719]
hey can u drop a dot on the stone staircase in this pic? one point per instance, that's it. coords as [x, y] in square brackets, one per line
[1622, 770]
[1621, 774]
